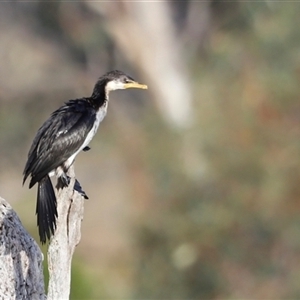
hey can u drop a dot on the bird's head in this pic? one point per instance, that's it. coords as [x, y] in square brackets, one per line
[116, 80]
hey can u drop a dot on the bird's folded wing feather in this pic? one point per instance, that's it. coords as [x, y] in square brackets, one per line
[58, 138]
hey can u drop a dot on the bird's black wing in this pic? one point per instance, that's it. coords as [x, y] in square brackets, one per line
[58, 138]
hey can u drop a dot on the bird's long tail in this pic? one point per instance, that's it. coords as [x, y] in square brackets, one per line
[46, 209]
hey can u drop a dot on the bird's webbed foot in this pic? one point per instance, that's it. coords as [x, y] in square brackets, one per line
[63, 181]
[78, 188]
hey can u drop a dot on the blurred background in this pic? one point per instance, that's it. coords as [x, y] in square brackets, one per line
[193, 184]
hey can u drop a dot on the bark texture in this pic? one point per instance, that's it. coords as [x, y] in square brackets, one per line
[70, 208]
[21, 273]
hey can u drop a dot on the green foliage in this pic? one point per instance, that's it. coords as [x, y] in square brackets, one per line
[240, 220]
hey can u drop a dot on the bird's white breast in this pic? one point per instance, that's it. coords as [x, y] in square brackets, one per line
[99, 117]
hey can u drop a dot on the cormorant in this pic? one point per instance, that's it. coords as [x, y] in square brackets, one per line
[56, 144]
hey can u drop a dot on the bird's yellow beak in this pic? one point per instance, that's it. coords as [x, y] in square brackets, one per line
[135, 85]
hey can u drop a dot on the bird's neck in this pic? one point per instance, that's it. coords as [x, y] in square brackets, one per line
[98, 99]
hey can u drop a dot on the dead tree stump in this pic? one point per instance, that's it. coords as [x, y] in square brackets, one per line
[21, 272]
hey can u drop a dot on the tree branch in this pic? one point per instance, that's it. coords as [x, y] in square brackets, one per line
[70, 207]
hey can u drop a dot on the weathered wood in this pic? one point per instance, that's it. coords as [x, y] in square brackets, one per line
[70, 207]
[21, 273]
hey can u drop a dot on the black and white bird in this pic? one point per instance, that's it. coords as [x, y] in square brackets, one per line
[56, 144]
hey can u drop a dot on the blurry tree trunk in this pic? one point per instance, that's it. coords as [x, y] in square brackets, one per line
[145, 34]
[21, 273]
[70, 207]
